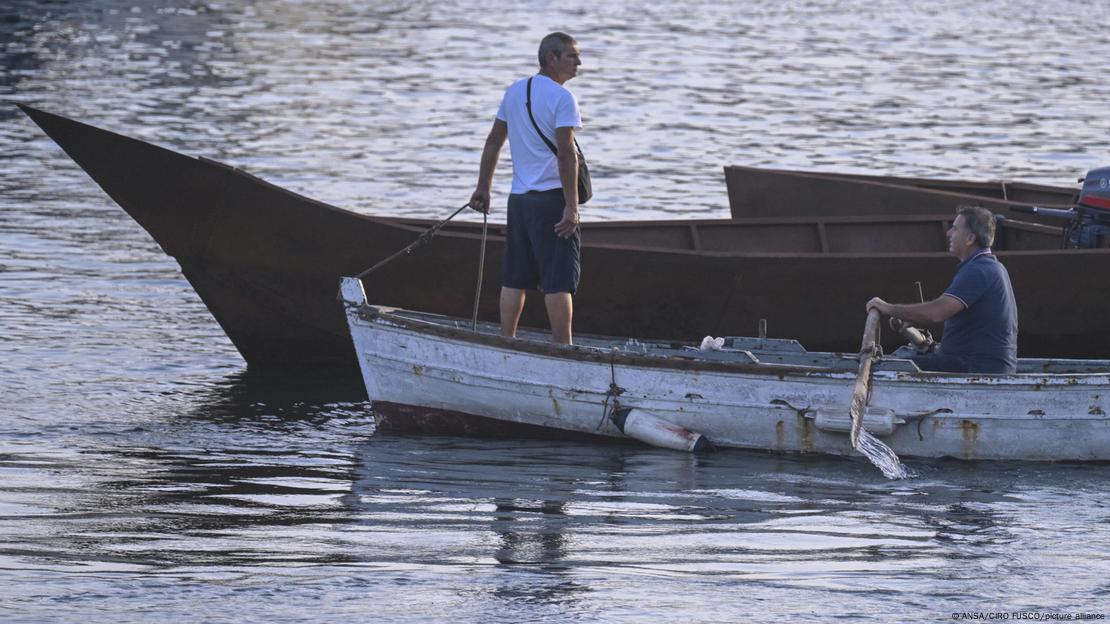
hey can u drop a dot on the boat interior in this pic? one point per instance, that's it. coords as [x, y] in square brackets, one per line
[770, 352]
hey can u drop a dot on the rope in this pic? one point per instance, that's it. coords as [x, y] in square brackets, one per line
[481, 272]
[613, 393]
[420, 240]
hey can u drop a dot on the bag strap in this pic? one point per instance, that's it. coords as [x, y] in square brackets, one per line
[550, 145]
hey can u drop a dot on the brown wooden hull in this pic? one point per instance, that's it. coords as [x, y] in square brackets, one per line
[267, 263]
[759, 192]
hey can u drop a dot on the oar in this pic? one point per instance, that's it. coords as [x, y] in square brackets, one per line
[868, 353]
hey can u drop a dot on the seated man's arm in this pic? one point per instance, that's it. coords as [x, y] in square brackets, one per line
[932, 312]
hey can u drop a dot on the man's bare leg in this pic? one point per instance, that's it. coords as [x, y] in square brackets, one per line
[560, 313]
[512, 304]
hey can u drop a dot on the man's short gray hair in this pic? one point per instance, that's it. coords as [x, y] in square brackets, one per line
[557, 43]
[981, 223]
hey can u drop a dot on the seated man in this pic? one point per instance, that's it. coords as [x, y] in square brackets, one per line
[978, 310]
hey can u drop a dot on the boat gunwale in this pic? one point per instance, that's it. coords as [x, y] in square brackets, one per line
[754, 221]
[416, 226]
[373, 313]
[907, 183]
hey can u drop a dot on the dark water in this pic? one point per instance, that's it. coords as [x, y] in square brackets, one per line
[145, 475]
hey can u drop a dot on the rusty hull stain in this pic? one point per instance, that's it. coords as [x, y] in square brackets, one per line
[970, 431]
[805, 428]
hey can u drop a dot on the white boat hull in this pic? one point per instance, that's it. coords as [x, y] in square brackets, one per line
[1027, 417]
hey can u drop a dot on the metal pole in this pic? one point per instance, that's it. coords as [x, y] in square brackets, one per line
[481, 272]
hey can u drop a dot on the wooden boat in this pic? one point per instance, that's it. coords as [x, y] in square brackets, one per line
[752, 393]
[265, 261]
[761, 193]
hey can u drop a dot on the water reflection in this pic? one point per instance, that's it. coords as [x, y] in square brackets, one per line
[254, 479]
[276, 398]
[259, 456]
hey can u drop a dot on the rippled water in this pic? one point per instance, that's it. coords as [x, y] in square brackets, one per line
[145, 475]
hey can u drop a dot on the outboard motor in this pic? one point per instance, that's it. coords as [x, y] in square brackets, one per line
[1089, 220]
[1092, 228]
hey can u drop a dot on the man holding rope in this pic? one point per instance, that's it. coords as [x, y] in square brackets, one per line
[542, 243]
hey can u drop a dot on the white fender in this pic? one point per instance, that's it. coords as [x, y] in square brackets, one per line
[650, 429]
[878, 421]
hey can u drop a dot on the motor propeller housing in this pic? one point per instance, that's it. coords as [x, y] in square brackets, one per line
[1096, 189]
[1091, 227]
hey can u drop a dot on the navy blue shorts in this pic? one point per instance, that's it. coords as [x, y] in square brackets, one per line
[535, 256]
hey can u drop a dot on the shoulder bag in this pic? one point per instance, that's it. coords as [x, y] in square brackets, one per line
[585, 189]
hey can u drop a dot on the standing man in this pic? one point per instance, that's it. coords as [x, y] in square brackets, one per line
[542, 244]
[978, 309]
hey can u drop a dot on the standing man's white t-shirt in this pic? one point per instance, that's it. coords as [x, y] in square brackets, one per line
[553, 106]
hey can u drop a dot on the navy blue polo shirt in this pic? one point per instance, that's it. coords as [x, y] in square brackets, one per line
[985, 333]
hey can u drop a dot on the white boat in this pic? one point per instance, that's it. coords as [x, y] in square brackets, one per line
[751, 393]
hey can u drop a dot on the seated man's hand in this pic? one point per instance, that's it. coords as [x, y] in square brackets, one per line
[878, 304]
